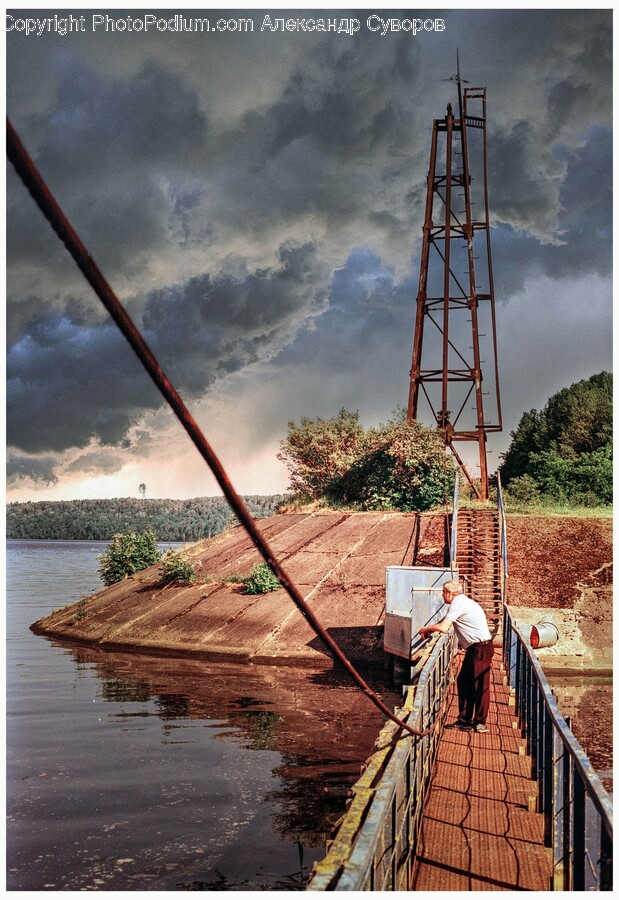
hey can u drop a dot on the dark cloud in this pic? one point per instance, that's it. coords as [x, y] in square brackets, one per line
[67, 385]
[37, 469]
[212, 326]
[71, 382]
[112, 152]
[96, 462]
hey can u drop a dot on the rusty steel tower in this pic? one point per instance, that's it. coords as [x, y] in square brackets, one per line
[455, 327]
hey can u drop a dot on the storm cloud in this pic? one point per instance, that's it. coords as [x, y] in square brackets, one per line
[258, 209]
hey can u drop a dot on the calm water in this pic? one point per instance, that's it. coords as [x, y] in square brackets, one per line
[130, 772]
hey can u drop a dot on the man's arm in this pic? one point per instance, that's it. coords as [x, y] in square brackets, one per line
[443, 626]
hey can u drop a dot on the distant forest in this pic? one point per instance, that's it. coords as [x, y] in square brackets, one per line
[100, 520]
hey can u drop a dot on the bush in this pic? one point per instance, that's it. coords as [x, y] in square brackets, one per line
[400, 465]
[128, 553]
[321, 450]
[404, 466]
[523, 490]
[585, 481]
[176, 569]
[261, 580]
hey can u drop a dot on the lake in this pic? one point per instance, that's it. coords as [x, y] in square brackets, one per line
[129, 772]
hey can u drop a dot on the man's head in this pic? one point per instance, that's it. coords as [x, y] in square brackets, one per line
[451, 589]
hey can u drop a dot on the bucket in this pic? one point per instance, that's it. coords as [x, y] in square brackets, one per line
[544, 634]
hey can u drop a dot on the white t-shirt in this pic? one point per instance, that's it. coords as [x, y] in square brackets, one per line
[469, 621]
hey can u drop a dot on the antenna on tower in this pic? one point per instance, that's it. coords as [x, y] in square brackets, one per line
[455, 326]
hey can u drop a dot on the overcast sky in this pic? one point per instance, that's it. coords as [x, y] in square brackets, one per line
[256, 201]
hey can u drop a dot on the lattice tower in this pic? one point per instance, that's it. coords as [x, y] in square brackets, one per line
[455, 325]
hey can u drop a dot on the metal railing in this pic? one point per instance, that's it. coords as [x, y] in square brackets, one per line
[577, 809]
[376, 843]
[503, 533]
[453, 544]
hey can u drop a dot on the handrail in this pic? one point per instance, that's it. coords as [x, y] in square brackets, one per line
[375, 846]
[503, 530]
[453, 547]
[576, 807]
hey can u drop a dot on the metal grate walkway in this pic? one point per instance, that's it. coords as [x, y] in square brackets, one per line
[480, 830]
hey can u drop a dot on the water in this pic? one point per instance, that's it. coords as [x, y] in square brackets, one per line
[128, 772]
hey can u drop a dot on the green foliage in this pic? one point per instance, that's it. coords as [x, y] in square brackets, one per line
[100, 520]
[524, 491]
[399, 465]
[321, 450]
[176, 569]
[261, 580]
[403, 466]
[585, 481]
[128, 553]
[235, 578]
[565, 451]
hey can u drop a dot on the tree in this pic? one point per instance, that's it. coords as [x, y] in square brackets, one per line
[129, 552]
[142, 490]
[399, 465]
[321, 450]
[403, 466]
[566, 449]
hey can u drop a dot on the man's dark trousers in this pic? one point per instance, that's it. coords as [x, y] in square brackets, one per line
[474, 683]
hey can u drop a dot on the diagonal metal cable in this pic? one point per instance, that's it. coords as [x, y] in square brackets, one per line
[47, 203]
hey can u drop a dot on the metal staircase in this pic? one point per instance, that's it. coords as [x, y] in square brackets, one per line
[479, 562]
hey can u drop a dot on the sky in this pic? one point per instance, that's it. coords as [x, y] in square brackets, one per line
[256, 201]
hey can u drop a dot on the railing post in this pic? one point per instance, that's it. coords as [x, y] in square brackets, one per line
[560, 815]
[579, 842]
[547, 768]
[533, 738]
[606, 860]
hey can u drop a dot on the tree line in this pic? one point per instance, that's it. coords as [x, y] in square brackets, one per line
[560, 455]
[563, 453]
[100, 520]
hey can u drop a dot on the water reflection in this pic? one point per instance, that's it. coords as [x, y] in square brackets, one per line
[316, 720]
[587, 705]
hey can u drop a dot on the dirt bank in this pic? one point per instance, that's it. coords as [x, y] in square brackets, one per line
[561, 568]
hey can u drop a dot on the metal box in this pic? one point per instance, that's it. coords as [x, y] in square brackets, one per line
[414, 599]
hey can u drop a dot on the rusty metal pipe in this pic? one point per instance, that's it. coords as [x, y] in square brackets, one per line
[50, 208]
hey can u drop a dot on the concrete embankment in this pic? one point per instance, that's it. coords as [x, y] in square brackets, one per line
[561, 565]
[337, 559]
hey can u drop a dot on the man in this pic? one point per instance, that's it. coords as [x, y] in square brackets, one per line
[471, 627]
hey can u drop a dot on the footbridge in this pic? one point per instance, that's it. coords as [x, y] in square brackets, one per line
[517, 808]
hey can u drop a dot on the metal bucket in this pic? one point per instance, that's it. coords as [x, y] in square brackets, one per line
[544, 634]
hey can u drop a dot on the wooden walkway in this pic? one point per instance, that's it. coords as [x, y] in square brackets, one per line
[478, 831]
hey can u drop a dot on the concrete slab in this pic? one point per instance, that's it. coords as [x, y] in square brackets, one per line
[336, 558]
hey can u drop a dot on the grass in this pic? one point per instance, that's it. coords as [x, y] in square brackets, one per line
[303, 505]
[581, 512]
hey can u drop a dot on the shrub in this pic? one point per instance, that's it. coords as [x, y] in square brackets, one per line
[128, 552]
[320, 450]
[404, 466]
[176, 569]
[261, 580]
[523, 490]
[400, 465]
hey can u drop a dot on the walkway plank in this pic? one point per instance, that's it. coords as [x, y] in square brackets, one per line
[478, 833]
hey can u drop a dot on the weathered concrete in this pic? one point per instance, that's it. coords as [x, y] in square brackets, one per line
[337, 559]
